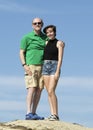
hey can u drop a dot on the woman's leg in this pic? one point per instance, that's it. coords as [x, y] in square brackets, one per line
[50, 84]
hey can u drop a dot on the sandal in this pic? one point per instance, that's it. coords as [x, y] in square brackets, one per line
[32, 116]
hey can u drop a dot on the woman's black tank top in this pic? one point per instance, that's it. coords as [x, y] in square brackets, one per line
[51, 51]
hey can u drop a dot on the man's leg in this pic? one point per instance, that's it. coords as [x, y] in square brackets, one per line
[30, 95]
[35, 93]
[36, 99]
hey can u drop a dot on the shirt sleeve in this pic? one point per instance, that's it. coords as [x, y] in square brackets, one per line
[23, 43]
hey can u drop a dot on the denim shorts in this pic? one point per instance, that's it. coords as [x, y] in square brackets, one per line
[49, 67]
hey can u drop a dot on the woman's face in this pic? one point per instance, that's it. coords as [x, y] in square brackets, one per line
[50, 33]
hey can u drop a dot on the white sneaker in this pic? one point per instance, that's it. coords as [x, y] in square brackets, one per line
[53, 118]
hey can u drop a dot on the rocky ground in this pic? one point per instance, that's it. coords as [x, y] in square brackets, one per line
[41, 125]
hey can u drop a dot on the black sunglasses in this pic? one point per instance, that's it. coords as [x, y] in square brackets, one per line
[37, 23]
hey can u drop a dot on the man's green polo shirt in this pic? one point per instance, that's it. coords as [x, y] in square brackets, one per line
[33, 45]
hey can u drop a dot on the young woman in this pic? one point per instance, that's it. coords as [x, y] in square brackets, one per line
[53, 55]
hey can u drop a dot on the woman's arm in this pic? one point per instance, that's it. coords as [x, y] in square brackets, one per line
[60, 46]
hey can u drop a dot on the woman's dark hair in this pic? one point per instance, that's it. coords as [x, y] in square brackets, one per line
[50, 26]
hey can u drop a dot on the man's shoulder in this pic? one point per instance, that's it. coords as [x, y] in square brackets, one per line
[44, 36]
[29, 34]
[26, 36]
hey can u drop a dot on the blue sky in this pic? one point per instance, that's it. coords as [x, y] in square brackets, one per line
[74, 22]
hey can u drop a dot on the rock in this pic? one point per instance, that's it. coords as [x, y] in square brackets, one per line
[41, 125]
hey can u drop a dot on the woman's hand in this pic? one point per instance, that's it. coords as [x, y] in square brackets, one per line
[57, 74]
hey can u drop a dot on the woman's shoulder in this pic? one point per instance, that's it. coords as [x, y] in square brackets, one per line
[60, 43]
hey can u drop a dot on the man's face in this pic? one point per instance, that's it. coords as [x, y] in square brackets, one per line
[37, 24]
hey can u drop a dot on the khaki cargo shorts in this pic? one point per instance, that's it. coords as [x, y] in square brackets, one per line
[36, 79]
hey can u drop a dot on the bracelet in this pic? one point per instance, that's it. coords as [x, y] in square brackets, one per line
[24, 64]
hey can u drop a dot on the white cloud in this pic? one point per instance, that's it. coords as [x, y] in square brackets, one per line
[64, 81]
[76, 81]
[69, 105]
[16, 7]
[12, 105]
[11, 80]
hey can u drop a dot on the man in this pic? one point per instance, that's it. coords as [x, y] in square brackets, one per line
[31, 56]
